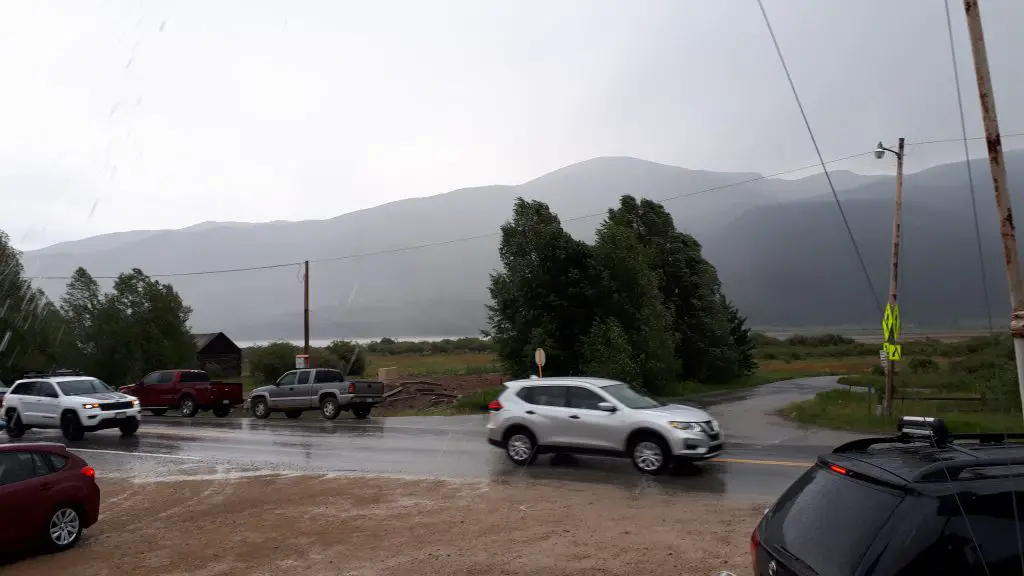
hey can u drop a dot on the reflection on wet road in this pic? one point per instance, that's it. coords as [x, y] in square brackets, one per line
[447, 447]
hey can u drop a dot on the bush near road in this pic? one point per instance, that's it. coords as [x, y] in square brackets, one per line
[972, 384]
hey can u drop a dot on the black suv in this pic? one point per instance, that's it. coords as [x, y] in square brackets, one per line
[924, 502]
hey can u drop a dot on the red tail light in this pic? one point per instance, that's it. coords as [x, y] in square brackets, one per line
[89, 472]
[494, 406]
[837, 469]
[351, 387]
[755, 542]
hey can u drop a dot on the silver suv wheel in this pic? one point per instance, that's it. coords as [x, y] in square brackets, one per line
[648, 456]
[519, 448]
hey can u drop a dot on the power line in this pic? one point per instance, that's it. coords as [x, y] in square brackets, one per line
[821, 159]
[967, 160]
[492, 234]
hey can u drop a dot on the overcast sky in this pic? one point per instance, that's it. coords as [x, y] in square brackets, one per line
[128, 115]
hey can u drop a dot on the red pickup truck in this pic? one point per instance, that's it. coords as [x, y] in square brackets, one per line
[187, 391]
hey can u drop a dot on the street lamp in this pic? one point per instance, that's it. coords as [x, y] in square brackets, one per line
[891, 307]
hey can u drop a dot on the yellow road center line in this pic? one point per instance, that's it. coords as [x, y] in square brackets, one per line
[765, 462]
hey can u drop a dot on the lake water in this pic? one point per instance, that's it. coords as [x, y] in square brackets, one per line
[320, 343]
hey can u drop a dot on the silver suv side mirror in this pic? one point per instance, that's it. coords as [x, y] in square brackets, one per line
[606, 406]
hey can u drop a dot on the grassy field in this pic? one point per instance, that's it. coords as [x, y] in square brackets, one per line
[454, 364]
[971, 384]
[844, 409]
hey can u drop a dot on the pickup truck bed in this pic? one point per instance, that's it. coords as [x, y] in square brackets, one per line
[188, 391]
[321, 389]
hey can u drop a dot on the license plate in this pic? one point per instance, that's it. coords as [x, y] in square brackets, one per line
[119, 415]
[227, 401]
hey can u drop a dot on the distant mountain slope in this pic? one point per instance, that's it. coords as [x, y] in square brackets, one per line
[779, 246]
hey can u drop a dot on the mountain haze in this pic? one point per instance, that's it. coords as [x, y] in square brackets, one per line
[779, 246]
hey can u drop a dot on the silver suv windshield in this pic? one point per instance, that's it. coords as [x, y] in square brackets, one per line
[630, 398]
[85, 386]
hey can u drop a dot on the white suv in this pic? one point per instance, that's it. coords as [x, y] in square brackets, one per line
[600, 417]
[75, 404]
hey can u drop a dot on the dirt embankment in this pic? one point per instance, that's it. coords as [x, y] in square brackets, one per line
[377, 526]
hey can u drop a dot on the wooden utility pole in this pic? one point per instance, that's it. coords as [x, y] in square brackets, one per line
[305, 308]
[892, 309]
[994, 142]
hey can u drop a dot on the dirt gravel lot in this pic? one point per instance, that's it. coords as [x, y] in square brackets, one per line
[376, 526]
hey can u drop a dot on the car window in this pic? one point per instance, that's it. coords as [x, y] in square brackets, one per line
[580, 397]
[303, 377]
[23, 389]
[287, 380]
[84, 386]
[164, 377]
[45, 390]
[828, 521]
[326, 376]
[151, 378]
[42, 464]
[16, 467]
[629, 397]
[980, 535]
[543, 395]
[57, 462]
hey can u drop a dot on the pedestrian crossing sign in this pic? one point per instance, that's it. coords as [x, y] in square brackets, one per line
[893, 351]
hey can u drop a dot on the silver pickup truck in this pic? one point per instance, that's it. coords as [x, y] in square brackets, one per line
[321, 389]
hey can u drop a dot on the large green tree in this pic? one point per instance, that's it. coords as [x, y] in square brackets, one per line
[706, 325]
[542, 295]
[140, 326]
[30, 326]
[641, 305]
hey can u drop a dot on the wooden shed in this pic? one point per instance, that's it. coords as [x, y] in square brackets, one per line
[218, 355]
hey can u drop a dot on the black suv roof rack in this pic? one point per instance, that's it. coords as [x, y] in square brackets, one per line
[933, 432]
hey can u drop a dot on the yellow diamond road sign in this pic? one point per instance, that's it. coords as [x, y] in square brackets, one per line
[893, 351]
[891, 322]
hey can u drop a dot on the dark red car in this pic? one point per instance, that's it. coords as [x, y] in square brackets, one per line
[48, 496]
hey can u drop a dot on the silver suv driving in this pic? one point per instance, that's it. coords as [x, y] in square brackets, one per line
[600, 417]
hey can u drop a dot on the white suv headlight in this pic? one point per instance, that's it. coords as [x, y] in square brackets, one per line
[135, 403]
[90, 406]
[687, 426]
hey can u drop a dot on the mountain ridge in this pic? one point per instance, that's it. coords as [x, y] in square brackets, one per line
[772, 240]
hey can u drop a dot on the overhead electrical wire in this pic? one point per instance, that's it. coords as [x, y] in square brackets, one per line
[821, 159]
[970, 174]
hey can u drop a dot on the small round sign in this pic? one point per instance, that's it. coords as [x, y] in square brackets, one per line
[539, 357]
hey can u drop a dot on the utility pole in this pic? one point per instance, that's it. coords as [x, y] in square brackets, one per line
[305, 308]
[995, 158]
[892, 309]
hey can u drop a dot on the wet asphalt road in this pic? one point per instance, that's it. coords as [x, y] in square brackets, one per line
[763, 455]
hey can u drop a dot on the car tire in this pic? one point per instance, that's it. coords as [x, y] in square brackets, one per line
[221, 411]
[293, 414]
[520, 446]
[158, 411]
[188, 407]
[361, 412]
[64, 528]
[130, 427]
[71, 427]
[15, 428]
[650, 454]
[329, 408]
[260, 409]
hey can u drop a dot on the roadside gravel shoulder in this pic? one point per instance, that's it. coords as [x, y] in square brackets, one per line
[376, 526]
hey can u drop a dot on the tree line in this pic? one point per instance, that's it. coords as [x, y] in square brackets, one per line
[640, 304]
[139, 325]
